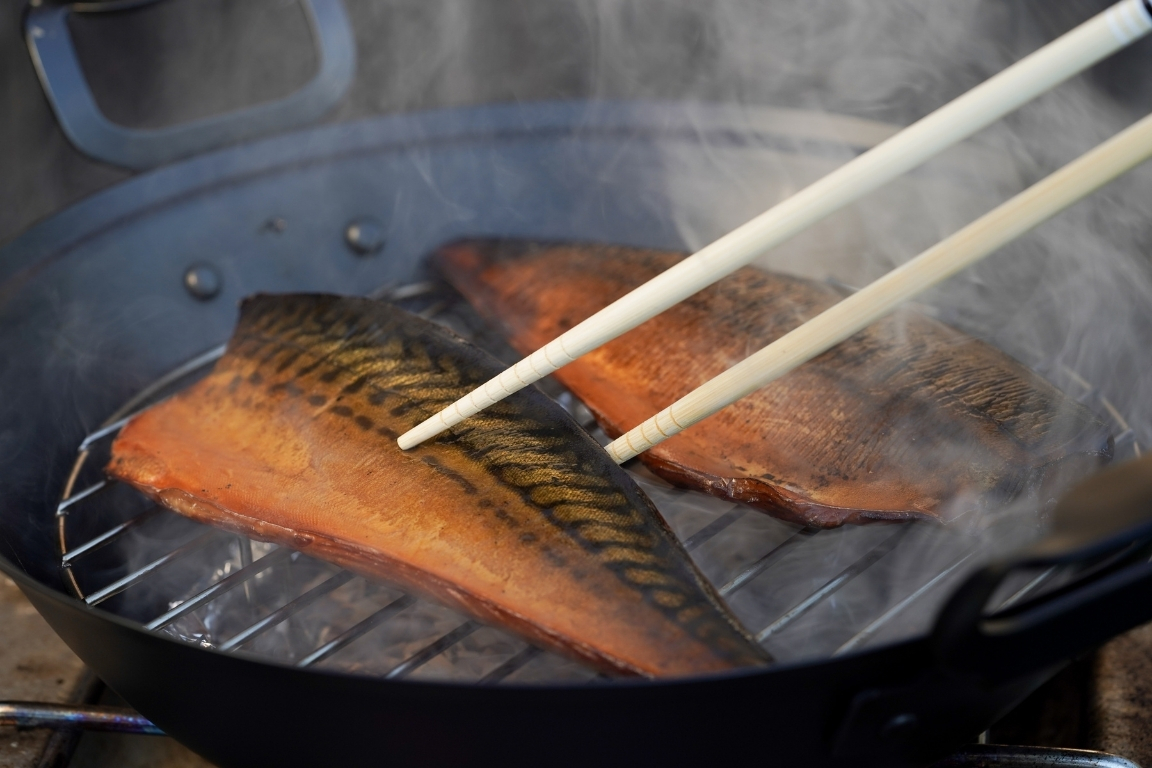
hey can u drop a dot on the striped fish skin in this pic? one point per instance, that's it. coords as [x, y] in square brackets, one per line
[518, 517]
[893, 424]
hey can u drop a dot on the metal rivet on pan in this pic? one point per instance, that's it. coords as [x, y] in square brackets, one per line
[364, 236]
[203, 281]
[276, 224]
[900, 728]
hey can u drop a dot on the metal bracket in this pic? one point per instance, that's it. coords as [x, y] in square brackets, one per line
[88, 717]
[909, 724]
[1011, 756]
[54, 56]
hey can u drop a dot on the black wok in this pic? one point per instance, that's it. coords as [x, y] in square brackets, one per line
[94, 305]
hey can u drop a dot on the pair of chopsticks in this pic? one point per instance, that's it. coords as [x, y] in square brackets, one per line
[1099, 37]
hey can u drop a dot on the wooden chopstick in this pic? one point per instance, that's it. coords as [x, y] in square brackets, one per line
[1104, 34]
[1034, 205]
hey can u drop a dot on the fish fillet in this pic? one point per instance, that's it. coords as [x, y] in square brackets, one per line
[892, 424]
[518, 518]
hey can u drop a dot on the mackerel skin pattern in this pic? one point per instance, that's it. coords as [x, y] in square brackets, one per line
[889, 425]
[517, 517]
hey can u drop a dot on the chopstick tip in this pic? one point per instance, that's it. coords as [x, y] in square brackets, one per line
[410, 439]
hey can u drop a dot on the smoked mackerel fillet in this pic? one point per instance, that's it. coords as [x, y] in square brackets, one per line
[909, 418]
[516, 517]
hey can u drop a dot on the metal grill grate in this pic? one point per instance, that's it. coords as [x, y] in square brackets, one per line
[830, 592]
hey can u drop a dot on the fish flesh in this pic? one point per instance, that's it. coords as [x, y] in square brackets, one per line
[518, 517]
[910, 418]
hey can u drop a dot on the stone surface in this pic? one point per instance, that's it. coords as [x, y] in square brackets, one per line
[1122, 700]
[35, 665]
[104, 750]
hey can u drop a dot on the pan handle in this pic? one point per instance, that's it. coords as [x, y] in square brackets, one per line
[60, 73]
[1102, 531]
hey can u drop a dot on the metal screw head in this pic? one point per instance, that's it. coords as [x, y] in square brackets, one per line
[900, 728]
[364, 236]
[203, 281]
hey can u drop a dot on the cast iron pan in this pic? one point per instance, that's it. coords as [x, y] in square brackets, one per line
[93, 306]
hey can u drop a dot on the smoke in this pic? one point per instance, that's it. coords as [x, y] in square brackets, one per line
[1072, 295]
[781, 94]
[1071, 299]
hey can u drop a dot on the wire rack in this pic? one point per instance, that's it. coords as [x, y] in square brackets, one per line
[802, 591]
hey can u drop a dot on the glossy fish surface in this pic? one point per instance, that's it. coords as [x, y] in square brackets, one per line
[896, 423]
[519, 518]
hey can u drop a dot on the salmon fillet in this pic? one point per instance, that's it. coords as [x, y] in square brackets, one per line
[517, 517]
[895, 423]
